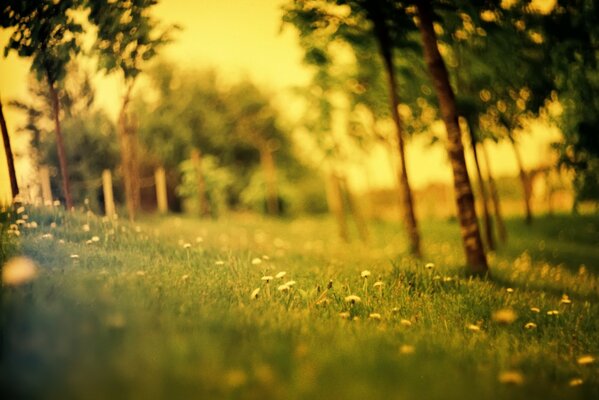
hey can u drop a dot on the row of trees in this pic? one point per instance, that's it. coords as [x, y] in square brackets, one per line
[486, 67]
[49, 33]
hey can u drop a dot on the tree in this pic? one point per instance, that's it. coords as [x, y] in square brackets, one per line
[365, 20]
[47, 32]
[126, 41]
[14, 187]
[471, 238]
[88, 133]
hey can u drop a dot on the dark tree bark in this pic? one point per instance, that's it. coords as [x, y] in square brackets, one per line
[502, 232]
[524, 180]
[473, 246]
[62, 157]
[14, 187]
[487, 221]
[406, 198]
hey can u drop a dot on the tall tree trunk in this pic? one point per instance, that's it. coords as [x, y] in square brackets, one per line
[335, 202]
[203, 205]
[473, 246]
[14, 187]
[127, 148]
[355, 210]
[270, 178]
[524, 180]
[494, 197]
[488, 222]
[62, 156]
[385, 48]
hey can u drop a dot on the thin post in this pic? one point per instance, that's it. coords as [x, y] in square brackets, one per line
[108, 195]
[44, 177]
[161, 199]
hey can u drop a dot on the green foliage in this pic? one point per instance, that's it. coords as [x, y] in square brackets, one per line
[127, 36]
[218, 181]
[89, 135]
[44, 30]
[139, 314]
[233, 125]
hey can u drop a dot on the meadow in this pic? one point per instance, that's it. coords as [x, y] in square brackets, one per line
[251, 308]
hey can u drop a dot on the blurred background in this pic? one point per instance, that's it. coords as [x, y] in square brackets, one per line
[254, 106]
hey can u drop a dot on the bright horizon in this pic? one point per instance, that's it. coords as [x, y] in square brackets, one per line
[218, 35]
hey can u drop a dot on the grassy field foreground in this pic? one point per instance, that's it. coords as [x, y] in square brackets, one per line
[256, 309]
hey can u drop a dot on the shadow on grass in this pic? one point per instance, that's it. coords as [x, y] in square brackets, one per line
[570, 240]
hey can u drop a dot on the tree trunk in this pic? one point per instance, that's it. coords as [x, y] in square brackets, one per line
[385, 48]
[487, 221]
[355, 210]
[475, 254]
[494, 197]
[128, 157]
[203, 205]
[14, 187]
[62, 157]
[270, 179]
[524, 180]
[335, 202]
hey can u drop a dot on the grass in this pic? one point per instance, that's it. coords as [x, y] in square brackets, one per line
[140, 315]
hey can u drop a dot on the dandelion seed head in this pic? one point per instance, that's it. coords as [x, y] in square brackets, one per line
[473, 328]
[378, 284]
[344, 314]
[429, 265]
[20, 210]
[290, 283]
[74, 256]
[535, 309]
[199, 239]
[405, 322]
[365, 274]
[47, 236]
[509, 290]
[511, 377]
[95, 239]
[553, 312]
[530, 325]
[267, 278]
[352, 299]
[53, 225]
[186, 245]
[18, 270]
[85, 227]
[56, 203]
[504, 316]
[575, 382]
[375, 316]
[283, 288]
[280, 274]
[406, 349]
[219, 262]
[585, 360]
[255, 294]
[256, 261]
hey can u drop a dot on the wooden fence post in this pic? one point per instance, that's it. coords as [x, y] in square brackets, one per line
[161, 199]
[108, 195]
[44, 176]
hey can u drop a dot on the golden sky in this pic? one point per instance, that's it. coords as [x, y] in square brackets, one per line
[242, 38]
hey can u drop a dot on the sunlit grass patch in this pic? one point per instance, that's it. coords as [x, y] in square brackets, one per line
[141, 313]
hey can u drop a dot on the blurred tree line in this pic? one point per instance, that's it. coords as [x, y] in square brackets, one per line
[484, 68]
